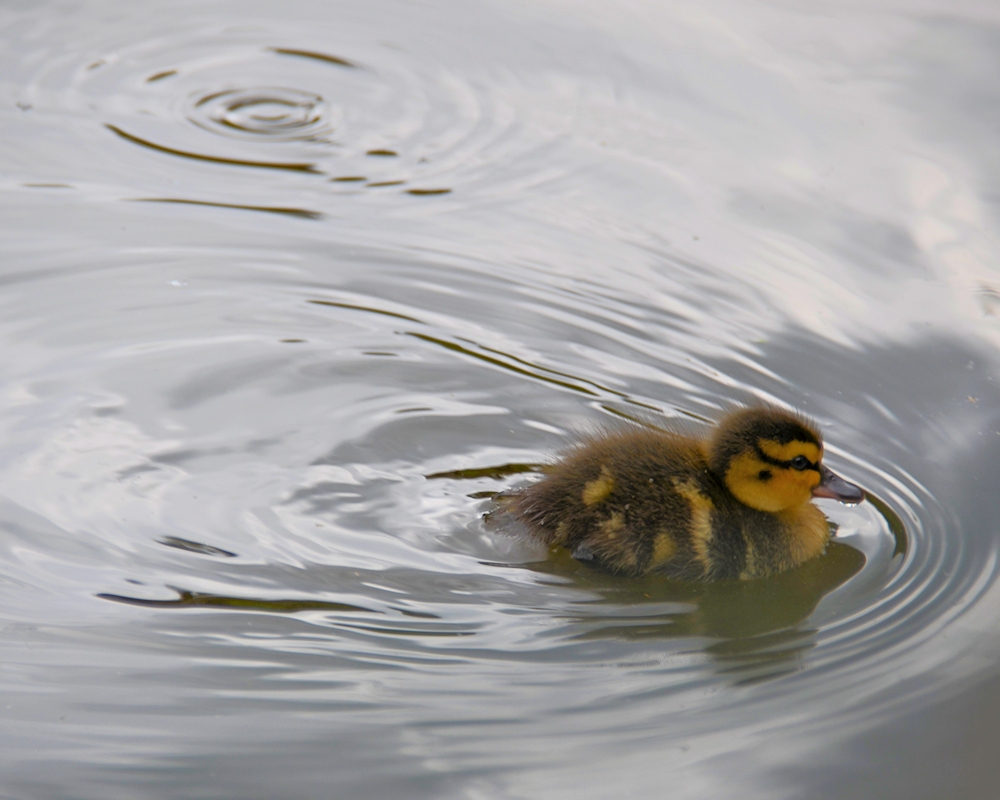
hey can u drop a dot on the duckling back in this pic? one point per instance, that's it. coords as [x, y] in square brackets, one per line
[632, 501]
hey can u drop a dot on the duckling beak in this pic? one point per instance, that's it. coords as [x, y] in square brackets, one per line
[836, 488]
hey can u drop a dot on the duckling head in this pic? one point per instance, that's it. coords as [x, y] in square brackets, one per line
[771, 460]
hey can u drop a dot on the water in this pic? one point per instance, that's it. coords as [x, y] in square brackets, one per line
[289, 289]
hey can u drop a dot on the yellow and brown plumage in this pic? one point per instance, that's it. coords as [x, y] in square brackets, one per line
[734, 506]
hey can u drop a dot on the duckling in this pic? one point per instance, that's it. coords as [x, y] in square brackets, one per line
[734, 506]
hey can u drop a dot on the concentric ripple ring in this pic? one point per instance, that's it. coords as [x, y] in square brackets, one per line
[272, 112]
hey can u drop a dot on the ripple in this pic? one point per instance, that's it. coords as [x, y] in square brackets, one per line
[346, 474]
[375, 117]
[256, 418]
[273, 113]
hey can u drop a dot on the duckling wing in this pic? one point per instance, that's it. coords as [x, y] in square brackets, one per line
[616, 502]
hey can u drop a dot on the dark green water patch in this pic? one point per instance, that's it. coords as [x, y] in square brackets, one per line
[186, 599]
[325, 57]
[238, 162]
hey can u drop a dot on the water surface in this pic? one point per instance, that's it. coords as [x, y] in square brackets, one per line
[289, 290]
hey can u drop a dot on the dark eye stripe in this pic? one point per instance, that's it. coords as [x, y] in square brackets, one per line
[786, 464]
[766, 458]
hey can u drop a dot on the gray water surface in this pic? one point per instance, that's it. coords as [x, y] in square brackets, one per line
[290, 289]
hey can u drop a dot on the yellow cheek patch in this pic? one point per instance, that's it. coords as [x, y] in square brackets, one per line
[788, 451]
[794, 483]
[598, 489]
[784, 489]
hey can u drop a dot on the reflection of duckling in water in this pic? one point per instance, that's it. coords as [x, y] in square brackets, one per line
[735, 506]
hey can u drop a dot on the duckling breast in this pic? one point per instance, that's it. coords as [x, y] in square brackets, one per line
[807, 532]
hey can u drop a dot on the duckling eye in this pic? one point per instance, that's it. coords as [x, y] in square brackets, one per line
[800, 462]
